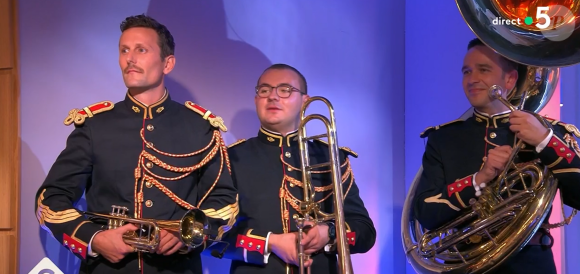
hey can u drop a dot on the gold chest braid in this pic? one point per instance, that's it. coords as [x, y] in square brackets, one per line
[146, 161]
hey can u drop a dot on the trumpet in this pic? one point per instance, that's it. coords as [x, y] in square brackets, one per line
[192, 228]
[310, 210]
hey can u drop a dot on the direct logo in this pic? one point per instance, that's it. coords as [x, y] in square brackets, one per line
[555, 22]
[45, 266]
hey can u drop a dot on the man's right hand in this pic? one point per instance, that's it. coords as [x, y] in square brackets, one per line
[285, 247]
[110, 244]
[494, 164]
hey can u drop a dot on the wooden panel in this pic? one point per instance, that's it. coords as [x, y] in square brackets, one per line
[8, 124]
[6, 34]
[9, 140]
[7, 247]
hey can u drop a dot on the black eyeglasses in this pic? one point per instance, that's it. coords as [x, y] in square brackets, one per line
[283, 90]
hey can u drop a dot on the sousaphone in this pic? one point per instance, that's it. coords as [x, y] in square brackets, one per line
[506, 225]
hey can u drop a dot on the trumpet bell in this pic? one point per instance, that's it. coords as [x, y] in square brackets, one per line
[193, 227]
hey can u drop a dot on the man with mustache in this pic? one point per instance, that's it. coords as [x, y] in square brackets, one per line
[462, 157]
[146, 156]
[267, 173]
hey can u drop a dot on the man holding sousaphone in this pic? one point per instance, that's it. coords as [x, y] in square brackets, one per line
[146, 157]
[268, 174]
[462, 162]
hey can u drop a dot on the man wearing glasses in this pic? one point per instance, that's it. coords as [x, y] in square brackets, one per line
[267, 173]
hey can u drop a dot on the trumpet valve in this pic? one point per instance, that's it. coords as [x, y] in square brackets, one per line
[117, 211]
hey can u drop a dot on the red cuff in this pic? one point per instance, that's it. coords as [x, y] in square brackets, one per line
[459, 185]
[561, 149]
[75, 246]
[251, 244]
[350, 237]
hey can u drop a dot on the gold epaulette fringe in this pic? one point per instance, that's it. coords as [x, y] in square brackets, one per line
[569, 127]
[78, 116]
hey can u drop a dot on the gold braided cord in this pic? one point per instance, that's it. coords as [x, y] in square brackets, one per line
[147, 176]
[217, 178]
[295, 202]
[347, 162]
[216, 135]
[169, 193]
[298, 183]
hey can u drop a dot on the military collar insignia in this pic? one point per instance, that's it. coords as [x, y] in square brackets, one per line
[498, 120]
[147, 112]
[274, 138]
[78, 116]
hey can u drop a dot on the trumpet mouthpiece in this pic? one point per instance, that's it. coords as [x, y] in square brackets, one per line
[495, 92]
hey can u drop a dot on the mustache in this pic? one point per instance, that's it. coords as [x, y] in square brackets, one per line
[136, 68]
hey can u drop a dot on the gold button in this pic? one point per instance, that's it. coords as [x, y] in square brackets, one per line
[287, 154]
[150, 127]
[150, 144]
[149, 165]
[72, 246]
[291, 185]
[568, 155]
[149, 203]
[555, 143]
[562, 149]
[80, 250]
[241, 242]
[492, 135]
[289, 168]
[258, 247]
[148, 184]
[250, 244]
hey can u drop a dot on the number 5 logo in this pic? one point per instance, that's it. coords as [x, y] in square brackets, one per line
[539, 15]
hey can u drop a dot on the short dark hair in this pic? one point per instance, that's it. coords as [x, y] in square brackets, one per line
[164, 37]
[507, 64]
[302, 80]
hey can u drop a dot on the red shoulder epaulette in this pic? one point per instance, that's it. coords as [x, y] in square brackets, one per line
[214, 120]
[78, 116]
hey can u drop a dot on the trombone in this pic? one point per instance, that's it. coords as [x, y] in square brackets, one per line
[309, 209]
[193, 229]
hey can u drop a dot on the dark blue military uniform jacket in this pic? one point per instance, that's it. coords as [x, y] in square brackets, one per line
[455, 152]
[157, 161]
[267, 174]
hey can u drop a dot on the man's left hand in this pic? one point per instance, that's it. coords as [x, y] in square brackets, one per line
[169, 243]
[316, 238]
[528, 128]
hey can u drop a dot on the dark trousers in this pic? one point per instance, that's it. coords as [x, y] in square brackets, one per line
[531, 259]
